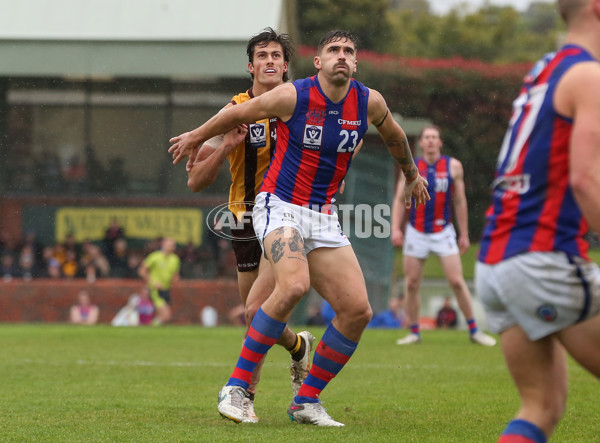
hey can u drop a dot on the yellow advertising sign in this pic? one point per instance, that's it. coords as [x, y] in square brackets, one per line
[183, 224]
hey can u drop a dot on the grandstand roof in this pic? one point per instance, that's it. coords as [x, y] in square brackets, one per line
[158, 38]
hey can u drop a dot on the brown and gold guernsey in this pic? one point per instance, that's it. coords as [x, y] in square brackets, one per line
[249, 161]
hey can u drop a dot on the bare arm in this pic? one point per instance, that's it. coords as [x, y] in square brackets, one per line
[205, 168]
[279, 102]
[74, 315]
[93, 315]
[578, 96]
[459, 199]
[398, 213]
[395, 140]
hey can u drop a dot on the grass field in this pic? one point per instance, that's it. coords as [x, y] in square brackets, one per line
[434, 270]
[66, 383]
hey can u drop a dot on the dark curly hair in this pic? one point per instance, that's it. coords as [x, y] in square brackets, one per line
[267, 36]
[336, 36]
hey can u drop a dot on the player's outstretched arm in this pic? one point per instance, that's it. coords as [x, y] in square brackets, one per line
[395, 139]
[205, 168]
[279, 102]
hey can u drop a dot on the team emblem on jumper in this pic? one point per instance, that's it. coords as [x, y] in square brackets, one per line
[312, 137]
[258, 135]
[547, 313]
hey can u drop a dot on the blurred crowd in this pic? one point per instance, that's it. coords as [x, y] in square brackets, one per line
[112, 257]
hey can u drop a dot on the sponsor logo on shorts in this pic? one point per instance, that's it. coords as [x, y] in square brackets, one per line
[288, 216]
[547, 313]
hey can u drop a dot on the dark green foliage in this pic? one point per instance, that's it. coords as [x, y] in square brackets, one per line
[367, 20]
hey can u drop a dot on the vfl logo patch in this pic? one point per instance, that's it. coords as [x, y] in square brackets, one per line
[312, 137]
[547, 313]
[258, 135]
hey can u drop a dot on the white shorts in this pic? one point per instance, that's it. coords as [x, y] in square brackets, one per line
[318, 230]
[543, 292]
[420, 245]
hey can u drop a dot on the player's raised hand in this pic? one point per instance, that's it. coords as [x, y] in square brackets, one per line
[416, 189]
[235, 136]
[191, 160]
[183, 146]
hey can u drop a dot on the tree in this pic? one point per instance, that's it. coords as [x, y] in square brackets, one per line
[411, 5]
[366, 20]
[492, 33]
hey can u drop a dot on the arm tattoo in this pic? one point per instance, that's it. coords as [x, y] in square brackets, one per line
[405, 160]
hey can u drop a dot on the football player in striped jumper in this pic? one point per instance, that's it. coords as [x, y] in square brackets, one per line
[322, 120]
[540, 290]
[431, 231]
[249, 149]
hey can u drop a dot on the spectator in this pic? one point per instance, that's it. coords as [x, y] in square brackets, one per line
[145, 308]
[134, 258]
[70, 267]
[9, 268]
[313, 316]
[446, 316]
[92, 255]
[84, 312]
[118, 259]
[70, 244]
[30, 240]
[53, 269]
[189, 260]
[139, 310]
[90, 273]
[392, 318]
[59, 252]
[113, 232]
[47, 255]
[28, 263]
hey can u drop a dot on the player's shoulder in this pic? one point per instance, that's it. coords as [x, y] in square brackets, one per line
[376, 102]
[240, 98]
[579, 85]
[583, 72]
[456, 167]
[304, 83]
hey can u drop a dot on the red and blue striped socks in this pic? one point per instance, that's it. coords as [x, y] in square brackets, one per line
[522, 431]
[263, 333]
[414, 329]
[472, 326]
[332, 353]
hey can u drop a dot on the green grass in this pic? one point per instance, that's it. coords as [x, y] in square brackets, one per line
[433, 268]
[63, 383]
